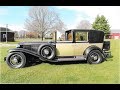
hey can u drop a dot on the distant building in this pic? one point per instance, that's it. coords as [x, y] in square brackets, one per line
[115, 34]
[22, 34]
[60, 34]
[3, 35]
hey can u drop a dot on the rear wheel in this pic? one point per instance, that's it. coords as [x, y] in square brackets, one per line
[95, 57]
[16, 60]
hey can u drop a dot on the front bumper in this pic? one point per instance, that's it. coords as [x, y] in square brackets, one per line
[4, 58]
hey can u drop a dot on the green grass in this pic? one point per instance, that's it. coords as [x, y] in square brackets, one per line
[107, 72]
[25, 40]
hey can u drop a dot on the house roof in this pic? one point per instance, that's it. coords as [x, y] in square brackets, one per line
[115, 31]
[3, 29]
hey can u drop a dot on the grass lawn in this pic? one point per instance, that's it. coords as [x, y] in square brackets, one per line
[25, 40]
[107, 72]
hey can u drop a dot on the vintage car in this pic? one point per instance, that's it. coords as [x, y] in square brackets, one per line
[78, 45]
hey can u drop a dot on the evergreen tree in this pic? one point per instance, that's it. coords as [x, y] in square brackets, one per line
[101, 23]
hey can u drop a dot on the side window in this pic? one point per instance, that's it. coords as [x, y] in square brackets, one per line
[81, 36]
[69, 36]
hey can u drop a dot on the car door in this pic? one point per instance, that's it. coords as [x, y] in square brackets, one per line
[81, 42]
[65, 48]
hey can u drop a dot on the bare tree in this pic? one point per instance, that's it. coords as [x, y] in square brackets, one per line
[41, 19]
[84, 24]
[60, 26]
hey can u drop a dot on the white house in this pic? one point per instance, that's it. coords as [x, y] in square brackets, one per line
[59, 33]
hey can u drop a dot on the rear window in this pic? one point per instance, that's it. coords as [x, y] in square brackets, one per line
[95, 36]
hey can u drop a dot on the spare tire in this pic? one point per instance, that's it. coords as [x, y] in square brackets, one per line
[46, 52]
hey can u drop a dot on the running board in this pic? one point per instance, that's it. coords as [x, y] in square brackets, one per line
[76, 58]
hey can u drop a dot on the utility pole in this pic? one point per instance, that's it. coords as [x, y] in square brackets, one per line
[6, 31]
[0, 35]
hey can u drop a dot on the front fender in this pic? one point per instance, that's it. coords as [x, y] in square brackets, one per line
[24, 51]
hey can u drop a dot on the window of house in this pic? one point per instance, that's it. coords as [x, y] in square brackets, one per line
[81, 36]
[4, 35]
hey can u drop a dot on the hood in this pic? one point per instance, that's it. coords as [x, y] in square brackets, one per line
[34, 43]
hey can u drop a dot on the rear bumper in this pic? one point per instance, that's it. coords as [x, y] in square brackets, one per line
[107, 54]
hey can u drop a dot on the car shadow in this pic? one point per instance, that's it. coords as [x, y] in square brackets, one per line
[33, 63]
[109, 58]
[38, 62]
[68, 62]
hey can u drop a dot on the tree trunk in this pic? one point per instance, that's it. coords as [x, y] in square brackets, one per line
[42, 36]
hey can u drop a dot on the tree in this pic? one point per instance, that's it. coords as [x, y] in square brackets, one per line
[22, 34]
[60, 26]
[84, 24]
[16, 34]
[101, 23]
[31, 34]
[41, 20]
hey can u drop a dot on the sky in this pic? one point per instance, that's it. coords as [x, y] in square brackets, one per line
[15, 16]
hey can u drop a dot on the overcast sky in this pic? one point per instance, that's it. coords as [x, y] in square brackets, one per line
[15, 16]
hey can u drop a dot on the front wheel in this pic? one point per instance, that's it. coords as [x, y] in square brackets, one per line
[95, 57]
[16, 60]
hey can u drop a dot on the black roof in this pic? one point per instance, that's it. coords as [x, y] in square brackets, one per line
[3, 29]
[83, 30]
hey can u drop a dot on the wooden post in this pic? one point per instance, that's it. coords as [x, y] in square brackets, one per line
[6, 31]
[55, 36]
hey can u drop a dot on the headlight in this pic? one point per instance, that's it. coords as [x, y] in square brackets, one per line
[18, 46]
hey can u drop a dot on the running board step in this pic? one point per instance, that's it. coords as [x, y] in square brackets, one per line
[77, 58]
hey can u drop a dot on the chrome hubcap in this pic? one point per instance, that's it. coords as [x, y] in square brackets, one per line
[94, 57]
[46, 51]
[16, 60]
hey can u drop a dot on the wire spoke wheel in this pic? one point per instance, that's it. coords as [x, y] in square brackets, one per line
[95, 57]
[16, 60]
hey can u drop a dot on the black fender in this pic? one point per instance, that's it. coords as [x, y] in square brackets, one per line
[90, 48]
[48, 44]
[24, 51]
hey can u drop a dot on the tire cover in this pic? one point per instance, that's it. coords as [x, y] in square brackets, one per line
[52, 55]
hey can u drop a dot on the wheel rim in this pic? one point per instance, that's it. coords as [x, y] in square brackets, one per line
[47, 52]
[95, 57]
[16, 60]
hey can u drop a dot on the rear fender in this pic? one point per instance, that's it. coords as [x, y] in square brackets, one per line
[90, 48]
